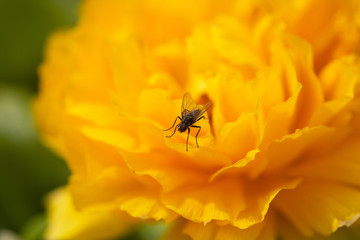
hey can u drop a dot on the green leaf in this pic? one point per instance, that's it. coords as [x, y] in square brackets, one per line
[34, 229]
[28, 170]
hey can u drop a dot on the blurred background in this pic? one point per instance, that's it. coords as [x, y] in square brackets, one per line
[28, 170]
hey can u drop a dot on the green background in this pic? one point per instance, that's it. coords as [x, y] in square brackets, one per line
[28, 170]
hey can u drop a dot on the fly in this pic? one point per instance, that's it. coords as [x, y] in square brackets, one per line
[190, 114]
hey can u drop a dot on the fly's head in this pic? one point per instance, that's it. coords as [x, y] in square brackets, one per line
[182, 127]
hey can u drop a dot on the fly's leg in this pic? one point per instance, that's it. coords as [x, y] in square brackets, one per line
[172, 127]
[203, 117]
[197, 134]
[172, 133]
[200, 118]
[173, 123]
[187, 139]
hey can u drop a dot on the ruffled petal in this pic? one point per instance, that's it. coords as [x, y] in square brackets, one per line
[311, 95]
[339, 164]
[203, 203]
[116, 186]
[218, 231]
[247, 206]
[319, 206]
[65, 222]
[237, 138]
[333, 32]
[297, 144]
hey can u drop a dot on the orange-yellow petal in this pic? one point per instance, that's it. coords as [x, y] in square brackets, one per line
[65, 222]
[319, 206]
[214, 231]
[296, 144]
[336, 164]
[247, 206]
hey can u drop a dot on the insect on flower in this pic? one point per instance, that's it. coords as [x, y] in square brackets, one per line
[190, 114]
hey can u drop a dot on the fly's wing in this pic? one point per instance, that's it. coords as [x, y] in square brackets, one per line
[188, 104]
[201, 109]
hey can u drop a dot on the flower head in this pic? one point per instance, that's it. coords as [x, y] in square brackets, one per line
[280, 152]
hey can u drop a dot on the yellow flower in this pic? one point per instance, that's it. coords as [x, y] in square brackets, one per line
[90, 223]
[280, 154]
